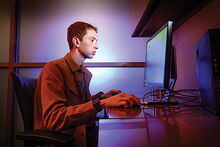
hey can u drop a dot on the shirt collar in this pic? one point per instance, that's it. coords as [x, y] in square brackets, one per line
[73, 66]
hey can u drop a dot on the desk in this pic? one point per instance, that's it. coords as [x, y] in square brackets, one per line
[159, 126]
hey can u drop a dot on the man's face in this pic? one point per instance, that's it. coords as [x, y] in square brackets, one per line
[89, 45]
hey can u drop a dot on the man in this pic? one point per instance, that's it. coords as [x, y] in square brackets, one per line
[62, 99]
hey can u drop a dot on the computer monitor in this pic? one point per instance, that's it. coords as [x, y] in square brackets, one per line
[160, 68]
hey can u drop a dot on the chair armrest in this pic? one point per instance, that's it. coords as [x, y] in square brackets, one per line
[45, 137]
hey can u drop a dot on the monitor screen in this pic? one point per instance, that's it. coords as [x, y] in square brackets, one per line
[158, 58]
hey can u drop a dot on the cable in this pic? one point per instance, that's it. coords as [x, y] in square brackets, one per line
[185, 97]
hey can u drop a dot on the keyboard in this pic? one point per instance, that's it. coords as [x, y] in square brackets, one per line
[159, 103]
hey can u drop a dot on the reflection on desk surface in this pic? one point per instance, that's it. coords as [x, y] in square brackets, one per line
[122, 133]
[125, 113]
[155, 111]
[161, 126]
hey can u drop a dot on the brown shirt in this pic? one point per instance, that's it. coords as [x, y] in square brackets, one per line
[59, 104]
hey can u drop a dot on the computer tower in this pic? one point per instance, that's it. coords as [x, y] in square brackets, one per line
[208, 70]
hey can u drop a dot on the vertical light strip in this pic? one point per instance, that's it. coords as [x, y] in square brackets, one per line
[12, 48]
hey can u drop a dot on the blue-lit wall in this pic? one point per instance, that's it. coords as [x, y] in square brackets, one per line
[43, 37]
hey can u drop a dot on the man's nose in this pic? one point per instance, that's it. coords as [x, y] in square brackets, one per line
[96, 46]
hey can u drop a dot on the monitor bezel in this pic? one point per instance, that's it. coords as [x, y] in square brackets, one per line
[167, 66]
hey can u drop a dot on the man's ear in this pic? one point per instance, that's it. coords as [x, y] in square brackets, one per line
[76, 41]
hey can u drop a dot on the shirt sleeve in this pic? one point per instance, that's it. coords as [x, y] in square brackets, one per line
[56, 115]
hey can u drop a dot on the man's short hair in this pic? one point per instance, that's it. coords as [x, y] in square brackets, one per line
[78, 29]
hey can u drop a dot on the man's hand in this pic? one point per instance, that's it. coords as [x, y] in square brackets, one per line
[110, 93]
[120, 100]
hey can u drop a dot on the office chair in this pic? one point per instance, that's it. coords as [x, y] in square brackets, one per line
[25, 89]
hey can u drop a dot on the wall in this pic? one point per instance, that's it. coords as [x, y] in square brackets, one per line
[44, 24]
[4, 29]
[187, 37]
[43, 36]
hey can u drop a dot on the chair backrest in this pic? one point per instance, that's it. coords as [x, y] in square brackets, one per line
[25, 89]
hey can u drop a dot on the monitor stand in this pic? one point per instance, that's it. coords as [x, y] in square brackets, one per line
[160, 97]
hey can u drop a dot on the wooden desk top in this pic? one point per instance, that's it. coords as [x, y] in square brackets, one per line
[159, 126]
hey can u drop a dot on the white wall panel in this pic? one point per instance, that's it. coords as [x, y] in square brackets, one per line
[44, 25]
